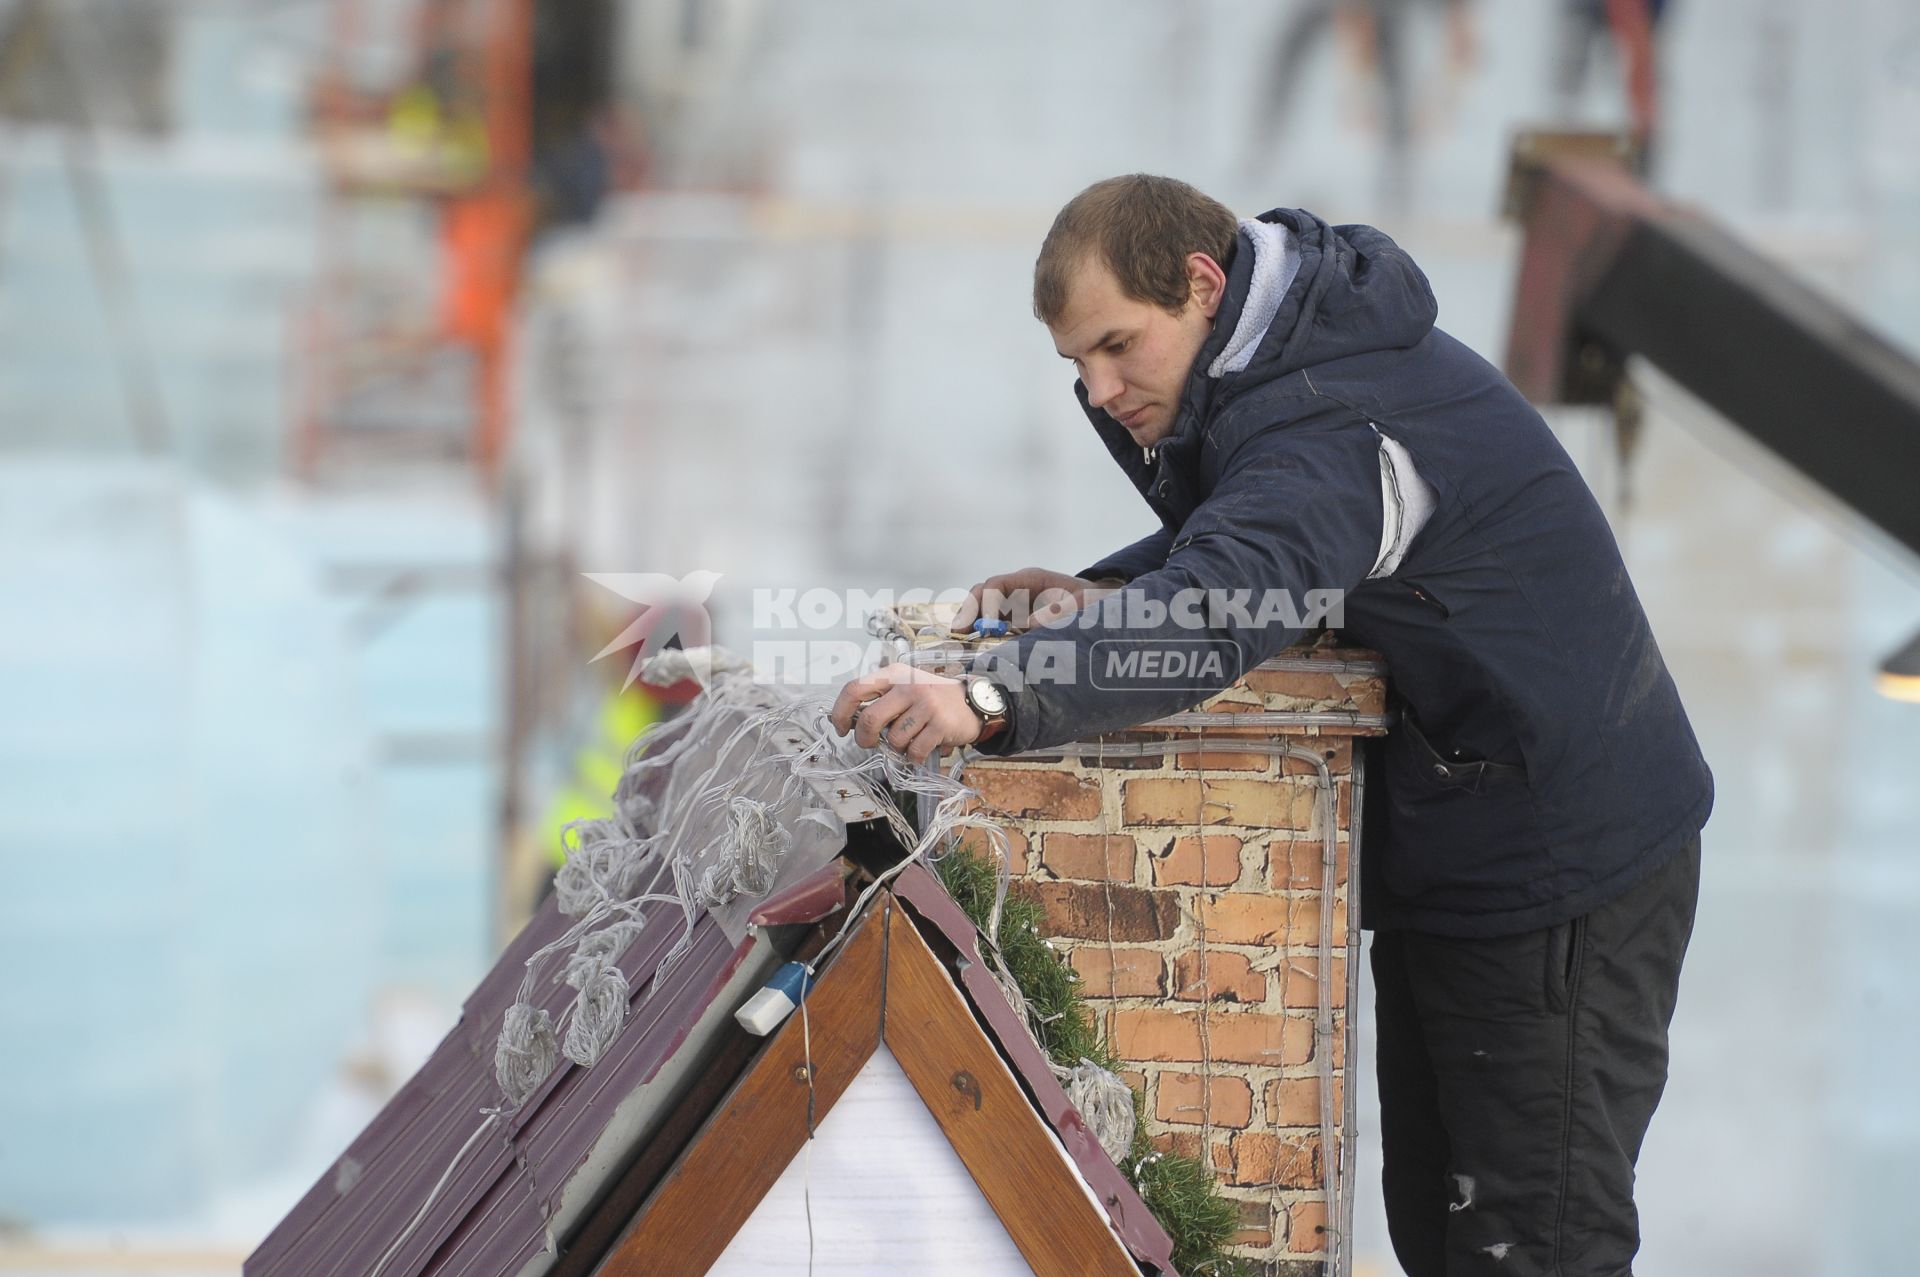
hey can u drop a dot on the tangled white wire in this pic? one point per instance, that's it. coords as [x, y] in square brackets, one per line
[710, 806]
[755, 845]
[1105, 1103]
[525, 1052]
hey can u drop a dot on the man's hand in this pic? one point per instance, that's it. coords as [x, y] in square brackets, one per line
[1033, 595]
[918, 712]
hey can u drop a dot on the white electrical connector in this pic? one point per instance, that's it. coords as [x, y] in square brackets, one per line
[769, 1007]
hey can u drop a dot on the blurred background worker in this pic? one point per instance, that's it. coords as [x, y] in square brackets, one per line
[1624, 34]
[628, 706]
[1381, 39]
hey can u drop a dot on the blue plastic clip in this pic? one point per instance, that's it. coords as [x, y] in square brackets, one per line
[773, 1002]
[791, 979]
[990, 629]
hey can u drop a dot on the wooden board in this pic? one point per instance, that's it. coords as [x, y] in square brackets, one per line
[884, 984]
[747, 1143]
[991, 1123]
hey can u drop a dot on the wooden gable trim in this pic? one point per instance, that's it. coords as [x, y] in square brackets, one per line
[885, 984]
[1012, 1156]
[762, 1124]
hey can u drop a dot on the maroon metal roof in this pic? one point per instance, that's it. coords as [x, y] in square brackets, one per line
[490, 1215]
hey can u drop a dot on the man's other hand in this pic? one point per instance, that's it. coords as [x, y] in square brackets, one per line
[917, 712]
[1030, 597]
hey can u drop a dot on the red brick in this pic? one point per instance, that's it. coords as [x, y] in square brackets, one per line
[1229, 977]
[1098, 857]
[1300, 977]
[1303, 922]
[1295, 1101]
[1245, 917]
[1091, 911]
[1211, 860]
[1295, 684]
[1180, 1099]
[1242, 1037]
[1298, 689]
[1335, 751]
[1291, 1161]
[1182, 1143]
[978, 843]
[1121, 972]
[1256, 1037]
[1036, 793]
[1307, 1227]
[1337, 755]
[1234, 800]
[1298, 863]
[1304, 773]
[1156, 1034]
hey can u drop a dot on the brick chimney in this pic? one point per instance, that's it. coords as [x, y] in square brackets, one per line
[1190, 889]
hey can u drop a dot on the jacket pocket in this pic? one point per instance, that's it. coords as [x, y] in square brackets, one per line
[1566, 944]
[1459, 830]
[1454, 768]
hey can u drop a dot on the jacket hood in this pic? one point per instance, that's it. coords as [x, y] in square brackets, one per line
[1355, 291]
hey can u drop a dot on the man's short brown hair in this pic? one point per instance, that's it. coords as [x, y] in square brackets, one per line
[1142, 227]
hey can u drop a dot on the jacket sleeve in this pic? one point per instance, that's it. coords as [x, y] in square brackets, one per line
[1294, 524]
[1147, 554]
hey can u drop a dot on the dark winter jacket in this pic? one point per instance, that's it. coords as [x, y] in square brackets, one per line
[1543, 762]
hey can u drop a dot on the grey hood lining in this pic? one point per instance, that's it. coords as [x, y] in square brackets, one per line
[1276, 261]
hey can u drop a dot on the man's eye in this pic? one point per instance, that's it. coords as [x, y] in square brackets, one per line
[1117, 348]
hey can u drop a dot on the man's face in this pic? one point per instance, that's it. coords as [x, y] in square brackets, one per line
[1133, 356]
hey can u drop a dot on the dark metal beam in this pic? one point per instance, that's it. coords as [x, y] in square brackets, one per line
[1609, 271]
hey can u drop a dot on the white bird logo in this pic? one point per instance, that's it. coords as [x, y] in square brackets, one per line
[685, 600]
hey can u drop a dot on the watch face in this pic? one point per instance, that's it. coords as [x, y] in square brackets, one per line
[986, 696]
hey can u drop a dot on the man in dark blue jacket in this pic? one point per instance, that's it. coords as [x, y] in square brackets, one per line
[1277, 391]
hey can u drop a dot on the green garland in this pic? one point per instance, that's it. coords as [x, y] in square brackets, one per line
[1179, 1191]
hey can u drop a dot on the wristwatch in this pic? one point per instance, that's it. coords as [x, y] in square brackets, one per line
[989, 700]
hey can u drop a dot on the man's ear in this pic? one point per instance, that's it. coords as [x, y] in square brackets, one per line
[1206, 283]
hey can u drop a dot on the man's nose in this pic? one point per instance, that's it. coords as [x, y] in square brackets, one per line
[1102, 388]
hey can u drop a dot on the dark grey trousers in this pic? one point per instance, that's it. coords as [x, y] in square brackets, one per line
[1517, 1078]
